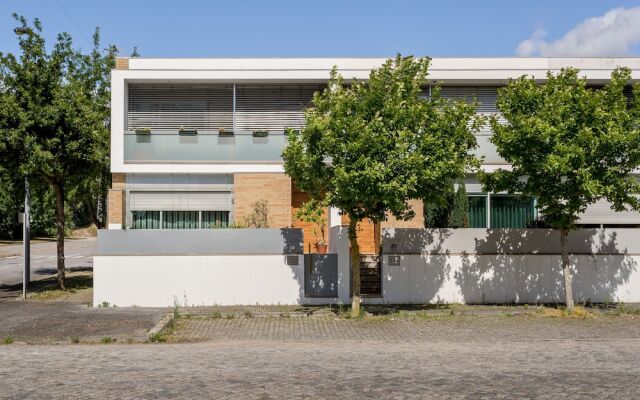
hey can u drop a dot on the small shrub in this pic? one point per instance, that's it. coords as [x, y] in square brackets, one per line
[157, 338]
[259, 218]
[248, 314]
[75, 339]
[104, 304]
[176, 308]
[7, 340]
[107, 339]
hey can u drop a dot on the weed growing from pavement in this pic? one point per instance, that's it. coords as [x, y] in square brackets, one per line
[176, 308]
[158, 338]
[7, 340]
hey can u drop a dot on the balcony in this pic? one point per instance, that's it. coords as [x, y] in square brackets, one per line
[203, 147]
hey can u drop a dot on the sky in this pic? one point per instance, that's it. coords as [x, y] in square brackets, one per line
[333, 28]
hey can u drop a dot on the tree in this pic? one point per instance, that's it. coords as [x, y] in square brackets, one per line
[54, 110]
[368, 148]
[459, 217]
[568, 145]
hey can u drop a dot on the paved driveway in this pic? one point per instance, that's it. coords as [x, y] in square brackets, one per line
[560, 369]
[78, 256]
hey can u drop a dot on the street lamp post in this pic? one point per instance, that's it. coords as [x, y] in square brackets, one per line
[26, 238]
[26, 220]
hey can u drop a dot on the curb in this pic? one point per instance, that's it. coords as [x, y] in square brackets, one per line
[165, 320]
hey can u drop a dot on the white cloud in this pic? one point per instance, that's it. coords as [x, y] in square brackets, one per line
[613, 34]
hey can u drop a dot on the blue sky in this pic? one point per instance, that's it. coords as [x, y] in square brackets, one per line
[190, 28]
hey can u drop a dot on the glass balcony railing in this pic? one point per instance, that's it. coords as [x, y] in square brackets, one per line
[210, 147]
[162, 146]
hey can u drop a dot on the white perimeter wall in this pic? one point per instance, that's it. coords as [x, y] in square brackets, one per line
[160, 281]
[509, 279]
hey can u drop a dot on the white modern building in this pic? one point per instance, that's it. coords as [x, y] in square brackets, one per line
[195, 143]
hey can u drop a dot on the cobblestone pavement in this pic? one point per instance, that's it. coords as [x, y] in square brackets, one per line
[557, 369]
[452, 328]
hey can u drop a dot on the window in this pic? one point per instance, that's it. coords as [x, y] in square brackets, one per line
[506, 211]
[215, 219]
[179, 219]
[509, 211]
[145, 220]
[477, 214]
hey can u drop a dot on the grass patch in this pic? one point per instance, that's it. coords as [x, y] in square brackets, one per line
[107, 339]
[78, 285]
[577, 312]
[75, 339]
[7, 340]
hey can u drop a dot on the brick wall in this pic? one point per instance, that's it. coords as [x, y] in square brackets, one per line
[116, 206]
[416, 222]
[368, 235]
[298, 197]
[122, 63]
[274, 188]
[116, 199]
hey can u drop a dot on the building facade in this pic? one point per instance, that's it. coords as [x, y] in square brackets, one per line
[196, 143]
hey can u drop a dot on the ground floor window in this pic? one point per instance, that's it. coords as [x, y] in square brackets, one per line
[500, 211]
[215, 219]
[145, 220]
[509, 211]
[179, 219]
[477, 214]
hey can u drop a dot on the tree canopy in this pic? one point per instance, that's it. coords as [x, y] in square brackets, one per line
[54, 108]
[569, 145]
[369, 147]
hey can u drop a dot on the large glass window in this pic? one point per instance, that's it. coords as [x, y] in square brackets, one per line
[145, 220]
[477, 214]
[179, 219]
[506, 211]
[215, 219]
[509, 211]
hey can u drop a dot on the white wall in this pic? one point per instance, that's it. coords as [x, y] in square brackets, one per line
[508, 278]
[159, 281]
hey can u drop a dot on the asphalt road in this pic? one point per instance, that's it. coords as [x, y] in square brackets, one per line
[78, 255]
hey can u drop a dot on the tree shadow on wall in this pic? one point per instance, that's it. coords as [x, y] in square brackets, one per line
[421, 277]
[524, 266]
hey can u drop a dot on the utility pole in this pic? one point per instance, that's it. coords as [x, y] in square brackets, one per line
[26, 238]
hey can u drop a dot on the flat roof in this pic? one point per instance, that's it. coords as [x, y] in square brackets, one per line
[447, 69]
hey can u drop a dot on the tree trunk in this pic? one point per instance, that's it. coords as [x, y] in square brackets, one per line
[59, 191]
[355, 267]
[566, 269]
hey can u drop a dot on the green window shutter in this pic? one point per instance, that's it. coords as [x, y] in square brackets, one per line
[511, 211]
[180, 220]
[477, 211]
[215, 219]
[145, 220]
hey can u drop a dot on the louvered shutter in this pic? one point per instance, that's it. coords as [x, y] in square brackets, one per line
[272, 107]
[180, 201]
[171, 107]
